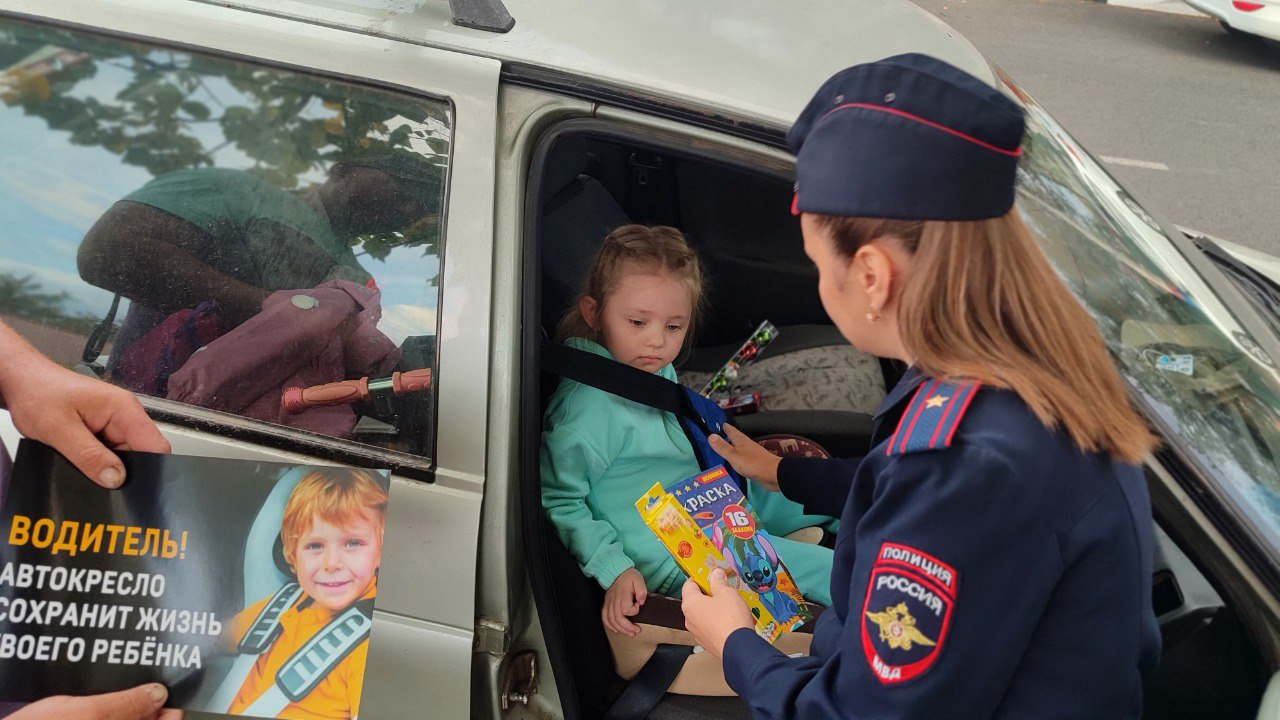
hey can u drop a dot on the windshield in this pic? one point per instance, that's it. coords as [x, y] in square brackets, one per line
[1201, 374]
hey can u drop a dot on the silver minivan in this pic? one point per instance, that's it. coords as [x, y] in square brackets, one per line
[468, 156]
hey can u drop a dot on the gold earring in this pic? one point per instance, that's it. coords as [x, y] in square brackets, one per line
[873, 316]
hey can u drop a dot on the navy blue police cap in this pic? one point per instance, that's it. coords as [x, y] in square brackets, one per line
[907, 138]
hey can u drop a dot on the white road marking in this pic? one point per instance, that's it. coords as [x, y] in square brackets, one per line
[1144, 164]
[1177, 7]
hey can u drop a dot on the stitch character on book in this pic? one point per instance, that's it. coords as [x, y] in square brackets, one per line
[307, 643]
[693, 550]
[762, 571]
[721, 511]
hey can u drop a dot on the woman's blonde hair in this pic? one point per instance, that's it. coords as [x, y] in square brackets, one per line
[647, 248]
[336, 495]
[982, 302]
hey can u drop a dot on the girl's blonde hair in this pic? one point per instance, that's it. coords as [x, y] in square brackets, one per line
[982, 302]
[646, 248]
[336, 495]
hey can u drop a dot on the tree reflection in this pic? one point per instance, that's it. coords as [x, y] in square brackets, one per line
[22, 296]
[166, 110]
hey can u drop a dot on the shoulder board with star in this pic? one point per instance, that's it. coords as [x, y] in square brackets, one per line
[932, 416]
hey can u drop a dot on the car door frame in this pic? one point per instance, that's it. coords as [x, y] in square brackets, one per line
[424, 624]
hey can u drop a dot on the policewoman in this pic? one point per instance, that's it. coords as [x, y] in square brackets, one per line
[994, 553]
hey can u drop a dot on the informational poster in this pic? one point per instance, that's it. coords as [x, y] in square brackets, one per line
[245, 587]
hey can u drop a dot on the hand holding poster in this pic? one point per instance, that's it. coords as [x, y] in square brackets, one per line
[245, 587]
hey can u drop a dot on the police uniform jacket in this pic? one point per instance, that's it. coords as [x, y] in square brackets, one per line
[985, 568]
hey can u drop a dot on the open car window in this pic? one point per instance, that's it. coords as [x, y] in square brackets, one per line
[217, 232]
[809, 380]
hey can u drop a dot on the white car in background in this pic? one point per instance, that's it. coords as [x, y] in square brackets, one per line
[1249, 17]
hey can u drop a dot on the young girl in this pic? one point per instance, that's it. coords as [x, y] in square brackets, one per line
[600, 452]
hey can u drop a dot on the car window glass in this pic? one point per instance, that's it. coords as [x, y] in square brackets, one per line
[1173, 338]
[223, 234]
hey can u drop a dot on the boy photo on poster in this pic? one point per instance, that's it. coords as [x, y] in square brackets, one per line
[246, 587]
[331, 533]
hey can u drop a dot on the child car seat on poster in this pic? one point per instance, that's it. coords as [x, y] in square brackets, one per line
[270, 575]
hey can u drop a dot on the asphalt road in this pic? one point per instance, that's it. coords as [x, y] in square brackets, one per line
[1159, 88]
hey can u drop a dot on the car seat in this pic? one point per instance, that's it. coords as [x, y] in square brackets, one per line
[577, 213]
[812, 382]
[264, 574]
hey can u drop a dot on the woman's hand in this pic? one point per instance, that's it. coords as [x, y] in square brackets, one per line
[623, 600]
[140, 703]
[712, 619]
[74, 414]
[747, 456]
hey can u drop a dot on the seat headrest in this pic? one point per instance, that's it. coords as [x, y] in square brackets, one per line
[264, 573]
[565, 162]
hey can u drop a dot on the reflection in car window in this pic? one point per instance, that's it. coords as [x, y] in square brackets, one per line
[217, 233]
[1171, 335]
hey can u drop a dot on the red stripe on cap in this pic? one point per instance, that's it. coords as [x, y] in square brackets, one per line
[795, 201]
[930, 123]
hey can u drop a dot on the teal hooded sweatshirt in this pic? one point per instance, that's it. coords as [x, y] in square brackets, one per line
[600, 453]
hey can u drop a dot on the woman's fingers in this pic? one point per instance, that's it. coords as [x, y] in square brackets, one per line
[719, 582]
[713, 618]
[735, 435]
[722, 446]
[747, 456]
[690, 590]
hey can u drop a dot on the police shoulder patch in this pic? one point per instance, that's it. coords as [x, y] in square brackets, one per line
[932, 416]
[906, 613]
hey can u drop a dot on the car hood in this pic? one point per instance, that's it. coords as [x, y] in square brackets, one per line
[1266, 265]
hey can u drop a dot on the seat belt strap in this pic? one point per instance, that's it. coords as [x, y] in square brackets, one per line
[268, 704]
[650, 684]
[313, 662]
[699, 416]
[231, 684]
[266, 627]
[321, 654]
[617, 378]
[98, 337]
[262, 632]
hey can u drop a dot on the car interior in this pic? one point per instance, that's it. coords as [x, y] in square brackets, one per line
[592, 178]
